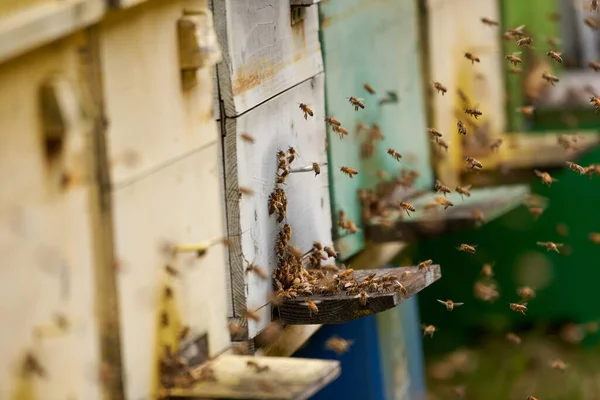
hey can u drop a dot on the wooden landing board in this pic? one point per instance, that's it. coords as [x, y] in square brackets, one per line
[286, 378]
[340, 308]
[493, 202]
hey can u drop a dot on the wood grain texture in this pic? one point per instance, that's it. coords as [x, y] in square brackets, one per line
[25, 25]
[275, 125]
[340, 308]
[493, 202]
[286, 378]
[387, 58]
[455, 28]
[47, 235]
[166, 122]
[263, 53]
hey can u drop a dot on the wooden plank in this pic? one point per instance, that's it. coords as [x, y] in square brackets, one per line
[264, 53]
[47, 236]
[292, 338]
[185, 206]
[304, 3]
[352, 59]
[275, 125]
[482, 82]
[33, 24]
[492, 202]
[340, 308]
[144, 69]
[284, 378]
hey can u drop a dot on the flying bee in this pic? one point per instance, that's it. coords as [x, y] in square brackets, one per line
[429, 330]
[495, 145]
[424, 264]
[555, 56]
[439, 187]
[474, 163]
[471, 57]
[312, 306]
[444, 202]
[338, 345]
[406, 207]
[546, 178]
[550, 246]
[316, 168]
[235, 328]
[551, 79]
[435, 134]
[592, 23]
[463, 191]
[558, 364]
[595, 101]
[517, 32]
[524, 42]
[536, 211]
[462, 129]
[553, 41]
[473, 112]
[363, 297]
[514, 59]
[440, 88]
[594, 237]
[513, 338]
[478, 216]
[339, 130]
[369, 89]
[526, 110]
[576, 168]
[253, 315]
[526, 293]
[450, 304]
[467, 248]
[356, 103]
[245, 191]
[442, 144]
[332, 121]
[520, 308]
[487, 270]
[489, 21]
[349, 171]
[306, 109]
[397, 156]
[257, 271]
[246, 137]
[595, 65]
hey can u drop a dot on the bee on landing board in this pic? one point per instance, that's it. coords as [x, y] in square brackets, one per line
[349, 171]
[514, 58]
[406, 207]
[338, 345]
[520, 308]
[546, 178]
[463, 191]
[462, 129]
[467, 248]
[439, 187]
[440, 88]
[550, 246]
[306, 109]
[312, 306]
[429, 330]
[356, 103]
[397, 156]
[363, 297]
[471, 57]
[424, 264]
[489, 21]
[450, 304]
[555, 56]
[551, 79]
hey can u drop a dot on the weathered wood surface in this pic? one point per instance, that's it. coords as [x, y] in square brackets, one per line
[166, 129]
[48, 232]
[171, 196]
[353, 58]
[455, 28]
[340, 308]
[264, 54]
[274, 125]
[285, 378]
[27, 24]
[492, 202]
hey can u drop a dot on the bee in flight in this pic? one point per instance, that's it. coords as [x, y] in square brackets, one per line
[356, 103]
[555, 56]
[471, 57]
[306, 109]
[514, 58]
